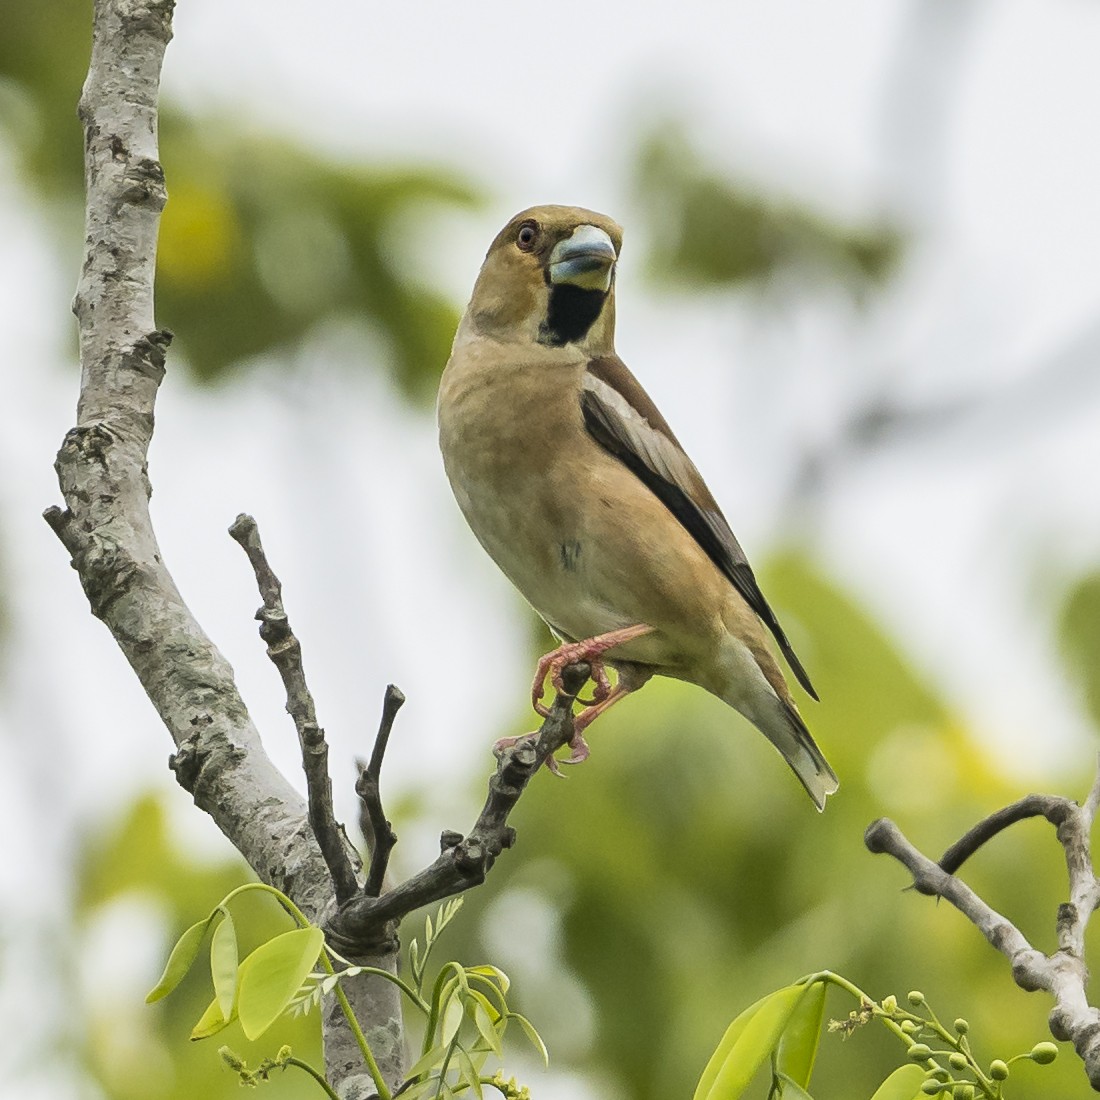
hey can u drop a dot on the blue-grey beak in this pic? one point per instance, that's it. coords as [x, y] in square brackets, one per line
[584, 259]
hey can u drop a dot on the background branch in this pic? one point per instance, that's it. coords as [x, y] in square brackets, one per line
[1063, 974]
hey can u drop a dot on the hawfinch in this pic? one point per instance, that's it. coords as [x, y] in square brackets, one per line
[573, 482]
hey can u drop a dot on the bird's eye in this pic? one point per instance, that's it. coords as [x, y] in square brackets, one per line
[527, 235]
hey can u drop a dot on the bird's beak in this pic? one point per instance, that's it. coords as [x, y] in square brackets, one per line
[585, 259]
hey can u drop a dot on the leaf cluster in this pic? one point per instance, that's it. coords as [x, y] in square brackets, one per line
[465, 1008]
[784, 1029]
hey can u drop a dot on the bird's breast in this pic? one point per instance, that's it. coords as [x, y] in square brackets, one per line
[565, 520]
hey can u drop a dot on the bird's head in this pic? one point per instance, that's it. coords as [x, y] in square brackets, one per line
[549, 276]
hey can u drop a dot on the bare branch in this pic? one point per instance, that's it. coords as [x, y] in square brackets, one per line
[1063, 974]
[1053, 808]
[465, 861]
[285, 652]
[376, 827]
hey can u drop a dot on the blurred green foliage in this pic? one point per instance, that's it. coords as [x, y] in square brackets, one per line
[261, 241]
[710, 231]
[1081, 639]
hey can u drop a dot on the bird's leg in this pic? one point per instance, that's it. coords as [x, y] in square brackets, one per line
[582, 721]
[591, 651]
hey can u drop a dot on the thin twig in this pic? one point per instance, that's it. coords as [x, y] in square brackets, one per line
[1064, 973]
[376, 827]
[285, 652]
[1052, 807]
[465, 861]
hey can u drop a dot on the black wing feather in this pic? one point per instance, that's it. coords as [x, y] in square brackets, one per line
[707, 527]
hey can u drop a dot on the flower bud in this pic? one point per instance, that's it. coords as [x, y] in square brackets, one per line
[962, 1026]
[998, 1070]
[920, 1052]
[957, 1060]
[916, 997]
[1044, 1053]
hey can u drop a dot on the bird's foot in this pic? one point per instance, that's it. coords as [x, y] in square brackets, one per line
[579, 754]
[509, 742]
[590, 651]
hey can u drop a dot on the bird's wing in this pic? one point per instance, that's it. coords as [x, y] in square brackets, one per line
[622, 418]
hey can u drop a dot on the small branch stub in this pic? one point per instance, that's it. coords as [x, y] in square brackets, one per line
[375, 825]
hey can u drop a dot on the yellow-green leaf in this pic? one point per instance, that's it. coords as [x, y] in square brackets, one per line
[211, 1021]
[532, 1035]
[484, 1016]
[429, 1060]
[223, 962]
[798, 1044]
[792, 1090]
[272, 974]
[470, 1073]
[725, 1045]
[488, 971]
[179, 962]
[754, 1044]
[903, 1084]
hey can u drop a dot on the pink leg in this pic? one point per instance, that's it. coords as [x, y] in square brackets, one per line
[591, 651]
[582, 721]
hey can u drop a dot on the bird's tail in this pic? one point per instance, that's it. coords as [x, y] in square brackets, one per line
[782, 725]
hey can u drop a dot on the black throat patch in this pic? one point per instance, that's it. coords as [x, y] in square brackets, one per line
[572, 312]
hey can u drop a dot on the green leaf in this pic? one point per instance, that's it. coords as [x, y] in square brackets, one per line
[211, 1021]
[757, 1039]
[790, 1089]
[452, 1017]
[489, 971]
[470, 1073]
[179, 962]
[428, 1060]
[223, 962]
[903, 1084]
[798, 1044]
[272, 974]
[533, 1036]
[725, 1045]
[417, 1089]
[484, 1016]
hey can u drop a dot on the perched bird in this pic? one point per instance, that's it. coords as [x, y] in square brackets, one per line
[573, 482]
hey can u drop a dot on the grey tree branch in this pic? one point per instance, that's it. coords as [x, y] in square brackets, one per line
[373, 822]
[464, 862]
[106, 528]
[1063, 974]
[285, 652]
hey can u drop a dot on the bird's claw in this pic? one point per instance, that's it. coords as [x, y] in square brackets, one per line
[578, 755]
[554, 663]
